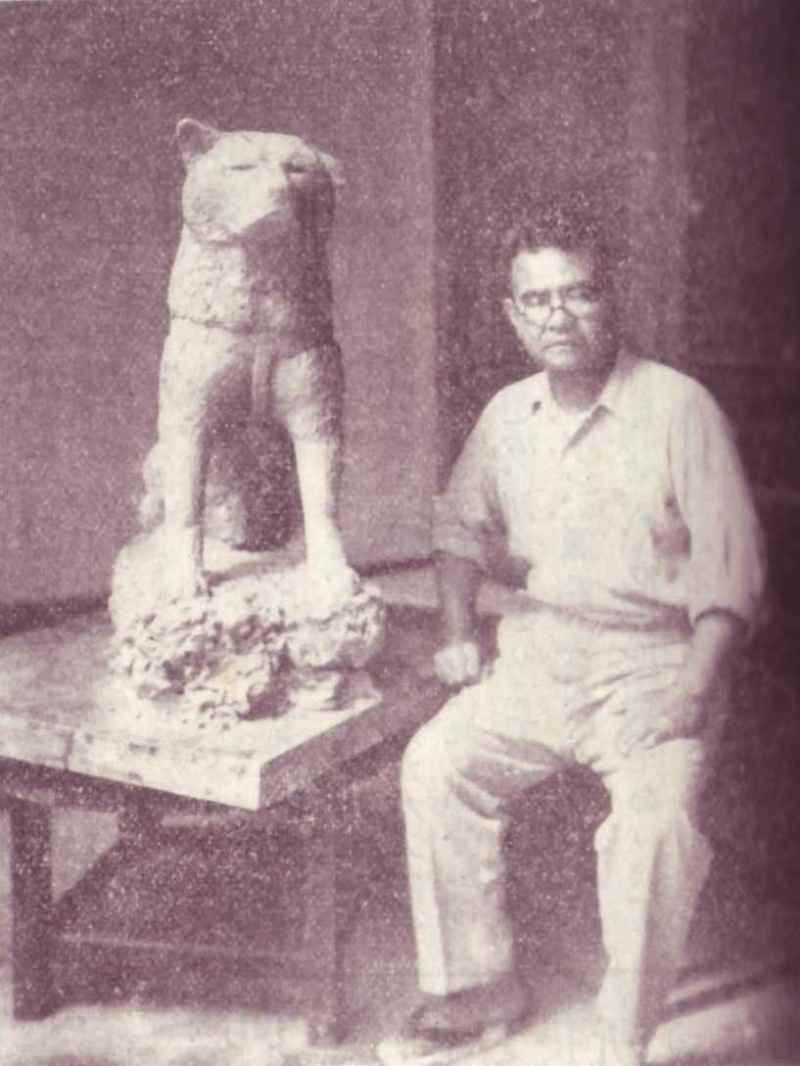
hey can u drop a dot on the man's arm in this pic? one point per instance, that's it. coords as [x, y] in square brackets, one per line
[726, 573]
[467, 520]
[718, 636]
[459, 581]
[458, 660]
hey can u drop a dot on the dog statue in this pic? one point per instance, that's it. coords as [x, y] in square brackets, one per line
[250, 372]
[250, 344]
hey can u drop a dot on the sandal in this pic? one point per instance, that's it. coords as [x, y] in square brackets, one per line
[439, 1033]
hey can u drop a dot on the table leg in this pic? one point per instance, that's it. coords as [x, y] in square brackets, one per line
[323, 934]
[31, 907]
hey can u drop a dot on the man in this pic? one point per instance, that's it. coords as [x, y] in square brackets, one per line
[616, 482]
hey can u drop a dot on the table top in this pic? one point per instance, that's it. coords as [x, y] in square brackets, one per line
[60, 708]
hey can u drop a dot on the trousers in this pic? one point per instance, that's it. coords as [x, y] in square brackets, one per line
[559, 693]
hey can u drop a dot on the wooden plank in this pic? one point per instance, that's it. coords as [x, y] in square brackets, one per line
[254, 764]
[57, 788]
[183, 769]
[60, 708]
[39, 741]
[48, 673]
[145, 748]
[321, 933]
[46, 678]
[31, 904]
[405, 707]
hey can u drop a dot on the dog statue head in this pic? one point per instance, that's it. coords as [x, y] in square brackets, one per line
[243, 186]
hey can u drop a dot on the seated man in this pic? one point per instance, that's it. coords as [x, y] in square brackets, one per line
[616, 481]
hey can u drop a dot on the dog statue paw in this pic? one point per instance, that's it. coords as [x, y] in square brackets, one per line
[330, 582]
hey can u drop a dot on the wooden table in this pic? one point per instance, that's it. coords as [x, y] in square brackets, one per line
[65, 743]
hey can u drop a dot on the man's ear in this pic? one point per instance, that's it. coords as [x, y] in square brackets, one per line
[194, 138]
[333, 167]
[508, 309]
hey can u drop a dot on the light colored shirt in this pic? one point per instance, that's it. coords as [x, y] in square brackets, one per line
[634, 512]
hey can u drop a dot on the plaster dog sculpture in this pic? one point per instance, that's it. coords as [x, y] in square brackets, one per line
[250, 340]
[250, 345]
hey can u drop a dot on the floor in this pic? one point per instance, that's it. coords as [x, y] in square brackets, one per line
[740, 1005]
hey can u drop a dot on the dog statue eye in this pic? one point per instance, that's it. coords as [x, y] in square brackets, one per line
[242, 166]
[294, 166]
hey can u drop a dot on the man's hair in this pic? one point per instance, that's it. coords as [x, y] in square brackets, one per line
[571, 227]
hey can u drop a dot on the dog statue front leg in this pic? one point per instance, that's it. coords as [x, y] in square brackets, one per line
[185, 455]
[317, 463]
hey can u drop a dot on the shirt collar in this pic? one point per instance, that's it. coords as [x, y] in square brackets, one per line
[611, 397]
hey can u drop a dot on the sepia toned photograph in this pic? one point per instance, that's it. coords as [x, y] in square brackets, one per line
[399, 619]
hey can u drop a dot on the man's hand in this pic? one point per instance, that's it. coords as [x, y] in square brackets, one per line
[681, 714]
[700, 689]
[458, 663]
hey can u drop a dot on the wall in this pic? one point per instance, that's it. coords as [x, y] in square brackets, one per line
[532, 100]
[743, 160]
[89, 184]
[682, 116]
[744, 163]
[743, 322]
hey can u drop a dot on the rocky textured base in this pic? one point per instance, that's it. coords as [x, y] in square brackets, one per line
[257, 645]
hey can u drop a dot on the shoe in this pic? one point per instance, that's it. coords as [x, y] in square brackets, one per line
[450, 1028]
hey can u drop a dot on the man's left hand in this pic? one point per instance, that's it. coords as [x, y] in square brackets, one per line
[700, 688]
[681, 714]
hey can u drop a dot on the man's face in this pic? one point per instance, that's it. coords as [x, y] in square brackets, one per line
[558, 311]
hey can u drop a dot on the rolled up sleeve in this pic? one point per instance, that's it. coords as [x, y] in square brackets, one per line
[466, 517]
[727, 565]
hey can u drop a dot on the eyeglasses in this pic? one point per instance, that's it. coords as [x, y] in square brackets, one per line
[578, 300]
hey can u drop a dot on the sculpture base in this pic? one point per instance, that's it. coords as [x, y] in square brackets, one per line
[257, 645]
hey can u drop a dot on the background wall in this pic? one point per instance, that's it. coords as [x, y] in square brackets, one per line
[89, 190]
[577, 99]
[743, 233]
[531, 102]
[679, 117]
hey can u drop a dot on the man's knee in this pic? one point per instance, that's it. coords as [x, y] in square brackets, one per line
[663, 781]
[440, 752]
[420, 762]
[667, 817]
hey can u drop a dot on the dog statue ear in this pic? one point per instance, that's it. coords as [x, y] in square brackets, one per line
[333, 168]
[194, 138]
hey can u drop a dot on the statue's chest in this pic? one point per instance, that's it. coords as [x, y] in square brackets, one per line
[234, 300]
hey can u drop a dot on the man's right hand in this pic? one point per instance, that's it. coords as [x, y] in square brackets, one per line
[458, 663]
